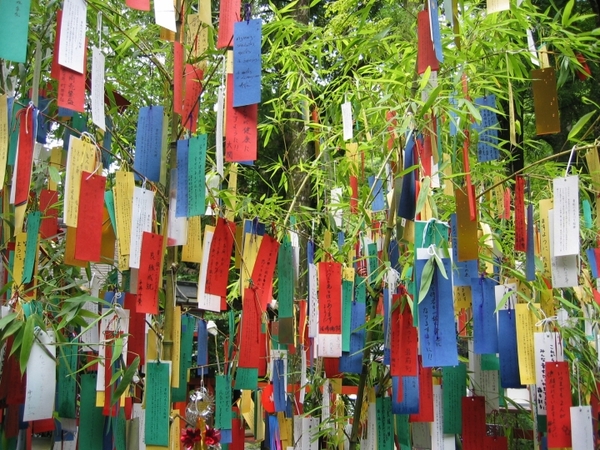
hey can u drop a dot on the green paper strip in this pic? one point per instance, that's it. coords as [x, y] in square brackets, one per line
[197, 176]
[188, 323]
[455, 388]
[246, 378]
[385, 426]
[360, 289]
[120, 435]
[31, 245]
[223, 402]
[285, 273]
[587, 214]
[109, 201]
[403, 431]
[158, 403]
[91, 420]
[347, 297]
[372, 261]
[14, 28]
[67, 381]
[490, 362]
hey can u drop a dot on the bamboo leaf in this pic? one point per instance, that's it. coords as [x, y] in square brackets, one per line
[423, 193]
[117, 350]
[579, 125]
[125, 381]
[426, 278]
[27, 343]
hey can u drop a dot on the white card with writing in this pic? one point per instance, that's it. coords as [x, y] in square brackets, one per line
[439, 440]
[329, 345]
[565, 232]
[548, 348]
[141, 220]
[310, 433]
[347, 120]
[313, 302]
[164, 14]
[112, 324]
[97, 95]
[219, 132]
[565, 269]
[71, 50]
[208, 302]
[41, 378]
[582, 431]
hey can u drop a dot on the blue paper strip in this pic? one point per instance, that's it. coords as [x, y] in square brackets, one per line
[485, 330]
[507, 349]
[410, 398]
[183, 153]
[462, 271]
[530, 254]
[107, 158]
[407, 204]
[246, 62]
[376, 186]
[437, 332]
[202, 355]
[592, 262]
[279, 385]
[435, 30]
[351, 361]
[487, 146]
[148, 143]
[43, 125]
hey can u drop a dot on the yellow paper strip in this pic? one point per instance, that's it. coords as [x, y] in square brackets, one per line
[3, 137]
[81, 157]
[525, 348]
[545, 206]
[123, 196]
[192, 250]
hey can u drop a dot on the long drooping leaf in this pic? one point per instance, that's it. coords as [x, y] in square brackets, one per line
[125, 381]
[426, 278]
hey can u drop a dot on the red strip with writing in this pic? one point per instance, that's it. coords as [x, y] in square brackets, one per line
[109, 388]
[178, 77]
[55, 68]
[229, 13]
[249, 354]
[71, 87]
[264, 268]
[473, 423]
[558, 399]
[191, 102]
[241, 138]
[330, 298]
[408, 344]
[354, 194]
[219, 258]
[506, 209]
[88, 241]
[425, 413]
[520, 228]
[49, 225]
[24, 156]
[149, 273]
[136, 341]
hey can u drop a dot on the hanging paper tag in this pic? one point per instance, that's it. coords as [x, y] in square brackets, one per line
[507, 349]
[565, 232]
[347, 121]
[149, 273]
[525, 327]
[454, 387]
[196, 176]
[520, 228]
[228, 14]
[148, 143]
[548, 348]
[582, 430]
[246, 62]
[264, 268]
[72, 35]
[157, 395]
[141, 221]
[241, 128]
[97, 91]
[558, 396]
[207, 301]
[88, 243]
[219, 258]
[473, 424]
[484, 317]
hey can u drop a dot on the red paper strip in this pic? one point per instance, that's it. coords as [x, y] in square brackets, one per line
[303, 323]
[330, 298]
[12, 384]
[496, 443]
[178, 55]
[141, 5]
[88, 243]
[473, 423]
[219, 258]
[71, 87]
[264, 268]
[149, 273]
[249, 343]
[229, 13]
[408, 344]
[43, 426]
[241, 138]
[191, 102]
[558, 399]
[136, 341]
[467, 168]
[107, 409]
[332, 367]
[520, 227]
[49, 224]
[24, 156]
[55, 69]
[11, 425]
[506, 212]
[354, 194]
[238, 433]
[425, 395]
[425, 51]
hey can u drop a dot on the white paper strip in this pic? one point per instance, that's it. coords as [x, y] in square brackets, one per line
[564, 268]
[565, 235]
[164, 14]
[209, 302]
[117, 324]
[97, 96]
[140, 414]
[329, 345]
[177, 227]
[313, 302]
[141, 220]
[219, 132]
[41, 378]
[347, 120]
[71, 50]
[582, 432]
